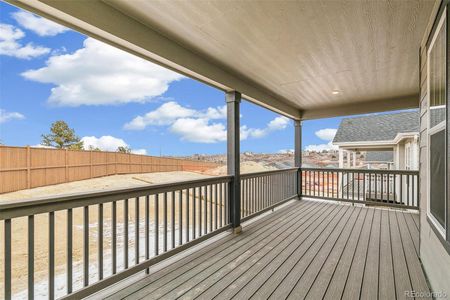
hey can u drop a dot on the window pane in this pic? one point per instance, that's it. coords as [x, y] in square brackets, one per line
[437, 79]
[437, 178]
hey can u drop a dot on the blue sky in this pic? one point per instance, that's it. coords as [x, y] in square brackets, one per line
[111, 98]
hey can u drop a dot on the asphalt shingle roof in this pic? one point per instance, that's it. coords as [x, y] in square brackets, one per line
[382, 127]
[379, 156]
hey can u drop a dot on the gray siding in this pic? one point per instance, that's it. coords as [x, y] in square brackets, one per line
[435, 259]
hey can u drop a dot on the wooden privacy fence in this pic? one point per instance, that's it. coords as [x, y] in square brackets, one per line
[27, 167]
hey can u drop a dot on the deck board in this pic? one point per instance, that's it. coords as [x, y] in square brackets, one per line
[413, 230]
[246, 286]
[418, 282]
[228, 252]
[193, 288]
[401, 272]
[310, 249]
[323, 242]
[355, 277]
[370, 280]
[336, 286]
[386, 288]
[323, 280]
[229, 285]
[166, 275]
[321, 232]
[333, 248]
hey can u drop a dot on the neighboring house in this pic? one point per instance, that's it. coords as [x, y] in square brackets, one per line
[397, 134]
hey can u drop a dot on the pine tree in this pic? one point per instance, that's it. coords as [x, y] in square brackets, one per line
[61, 136]
[123, 149]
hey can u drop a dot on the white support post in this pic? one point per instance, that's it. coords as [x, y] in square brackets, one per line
[341, 158]
[348, 159]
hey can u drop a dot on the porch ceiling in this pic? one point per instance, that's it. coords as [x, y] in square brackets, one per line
[287, 56]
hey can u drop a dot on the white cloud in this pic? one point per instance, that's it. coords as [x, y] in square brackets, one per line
[139, 151]
[40, 26]
[321, 147]
[99, 74]
[105, 143]
[215, 113]
[326, 134]
[42, 146]
[278, 123]
[10, 45]
[169, 112]
[199, 130]
[196, 125]
[166, 114]
[6, 116]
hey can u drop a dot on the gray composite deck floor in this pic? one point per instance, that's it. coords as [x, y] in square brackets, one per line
[313, 250]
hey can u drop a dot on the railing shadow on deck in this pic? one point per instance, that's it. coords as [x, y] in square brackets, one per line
[166, 219]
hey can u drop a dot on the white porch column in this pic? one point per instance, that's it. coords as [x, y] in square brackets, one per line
[348, 159]
[354, 159]
[341, 158]
[415, 154]
[396, 157]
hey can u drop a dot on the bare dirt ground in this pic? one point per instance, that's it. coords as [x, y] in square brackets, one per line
[102, 183]
[246, 167]
[19, 227]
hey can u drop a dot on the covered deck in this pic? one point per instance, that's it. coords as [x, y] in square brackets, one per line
[306, 249]
[304, 60]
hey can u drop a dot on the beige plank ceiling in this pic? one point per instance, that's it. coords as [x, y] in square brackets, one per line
[301, 58]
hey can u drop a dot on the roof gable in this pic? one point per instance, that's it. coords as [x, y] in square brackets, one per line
[380, 127]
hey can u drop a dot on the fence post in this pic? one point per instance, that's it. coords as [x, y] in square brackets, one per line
[66, 164]
[233, 100]
[28, 167]
[129, 163]
[115, 162]
[298, 155]
[90, 163]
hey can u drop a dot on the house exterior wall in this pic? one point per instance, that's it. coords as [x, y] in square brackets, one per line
[435, 258]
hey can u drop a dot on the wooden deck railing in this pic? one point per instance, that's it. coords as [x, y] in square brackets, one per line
[395, 188]
[263, 190]
[107, 236]
[166, 219]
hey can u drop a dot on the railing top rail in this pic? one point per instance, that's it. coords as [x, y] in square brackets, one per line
[13, 209]
[372, 171]
[270, 172]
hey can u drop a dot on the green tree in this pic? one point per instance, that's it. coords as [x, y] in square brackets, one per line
[61, 136]
[92, 148]
[123, 149]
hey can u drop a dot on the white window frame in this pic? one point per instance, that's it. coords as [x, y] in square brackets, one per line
[435, 129]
